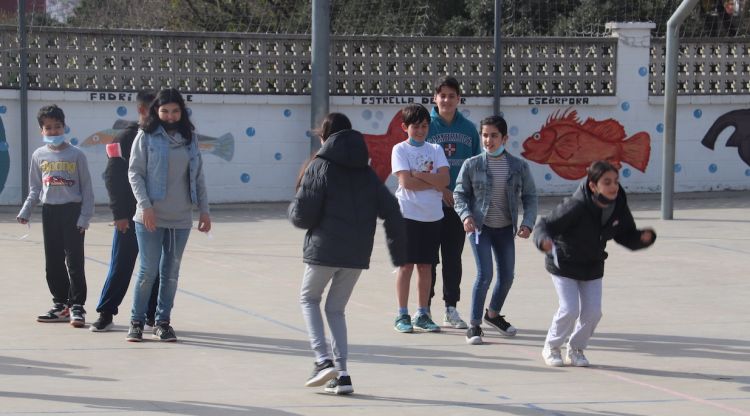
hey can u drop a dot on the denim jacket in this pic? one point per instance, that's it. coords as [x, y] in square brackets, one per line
[474, 191]
[148, 169]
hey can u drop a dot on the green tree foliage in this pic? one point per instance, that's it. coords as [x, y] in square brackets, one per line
[406, 17]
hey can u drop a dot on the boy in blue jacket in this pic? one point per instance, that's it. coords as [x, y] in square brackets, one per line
[460, 140]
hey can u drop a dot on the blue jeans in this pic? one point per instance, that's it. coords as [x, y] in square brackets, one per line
[124, 254]
[161, 254]
[498, 241]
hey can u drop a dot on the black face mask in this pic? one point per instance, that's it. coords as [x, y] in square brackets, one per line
[170, 126]
[600, 198]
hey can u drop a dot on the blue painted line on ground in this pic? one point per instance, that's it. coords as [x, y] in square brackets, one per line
[244, 311]
[724, 248]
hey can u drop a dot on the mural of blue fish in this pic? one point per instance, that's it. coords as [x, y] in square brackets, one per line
[222, 146]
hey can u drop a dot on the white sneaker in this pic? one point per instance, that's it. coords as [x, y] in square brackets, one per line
[552, 356]
[453, 319]
[575, 357]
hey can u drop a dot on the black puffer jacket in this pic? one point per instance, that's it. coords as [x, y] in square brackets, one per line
[339, 201]
[575, 226]
[121, 199]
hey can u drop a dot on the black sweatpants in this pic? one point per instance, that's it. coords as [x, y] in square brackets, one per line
[452, 239]
[63, 246]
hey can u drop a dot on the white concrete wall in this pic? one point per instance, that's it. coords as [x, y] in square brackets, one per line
[271, 138]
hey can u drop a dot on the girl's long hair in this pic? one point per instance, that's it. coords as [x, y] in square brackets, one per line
[332, 123]
[166, 96]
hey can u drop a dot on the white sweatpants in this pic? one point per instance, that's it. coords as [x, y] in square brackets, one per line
[578, 314]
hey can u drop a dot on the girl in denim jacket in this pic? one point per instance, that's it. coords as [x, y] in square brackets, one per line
[486, 198]
[166, 174]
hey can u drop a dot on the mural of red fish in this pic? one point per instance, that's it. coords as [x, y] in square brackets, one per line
[380, 146]
[569, 146]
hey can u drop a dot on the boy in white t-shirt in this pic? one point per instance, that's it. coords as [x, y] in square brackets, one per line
[422, 172]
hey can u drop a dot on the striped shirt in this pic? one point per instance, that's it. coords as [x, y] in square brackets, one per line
[498, 215]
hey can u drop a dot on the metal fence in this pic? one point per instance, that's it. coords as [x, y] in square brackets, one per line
[231, 63]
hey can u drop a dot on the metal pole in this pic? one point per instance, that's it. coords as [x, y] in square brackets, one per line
[670, 106]
[498, 57]
[321, 28]
[23, 98]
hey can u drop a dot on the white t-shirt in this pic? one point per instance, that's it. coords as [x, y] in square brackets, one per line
[427, 205]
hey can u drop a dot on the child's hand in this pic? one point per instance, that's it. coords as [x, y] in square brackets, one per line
[469, 226]
[81, 230]
[22, 220]
[524, 231]
[149, 219]
[647, 236]
[204, 223]
[547, 245]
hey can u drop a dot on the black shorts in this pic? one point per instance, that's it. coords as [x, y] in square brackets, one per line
[423, 241]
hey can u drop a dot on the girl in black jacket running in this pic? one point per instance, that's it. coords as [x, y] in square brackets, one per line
[575, 236]
[338, 201]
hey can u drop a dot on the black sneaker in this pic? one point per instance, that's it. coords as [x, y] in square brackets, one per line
[77, 316]
[341, 385]
[500, 324]
[474, 335]
[164, 332]
[321, 373]
[58, 313]
[103, 323]
[135, 333]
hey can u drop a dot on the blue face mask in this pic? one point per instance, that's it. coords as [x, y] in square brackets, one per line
[415, 143]
[497, 152]
[54, 140]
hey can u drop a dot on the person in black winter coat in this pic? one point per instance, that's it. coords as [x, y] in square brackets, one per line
[338, 201]
[124, 243]
[575, 236]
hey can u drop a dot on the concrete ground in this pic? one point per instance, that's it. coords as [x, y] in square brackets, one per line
[674, 340]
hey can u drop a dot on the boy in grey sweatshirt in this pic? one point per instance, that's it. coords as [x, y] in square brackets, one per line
[59, 178]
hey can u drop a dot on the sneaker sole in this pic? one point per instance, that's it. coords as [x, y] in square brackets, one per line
[134, 339]
[418, 329]
[44, 321]
[570, 363]
[340, 390]
[406, 331]
[106, 328]
[156, 337]
[323, 377]
[551, 363]
[460, 325]
[77, 324]
[474, 340]
[500, 330]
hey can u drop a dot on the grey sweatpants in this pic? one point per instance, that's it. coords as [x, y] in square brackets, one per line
[314, 281]
[579, 312]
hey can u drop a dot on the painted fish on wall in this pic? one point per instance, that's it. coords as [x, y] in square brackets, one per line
[569, 146]
[740, 138]
[222, 146]
[380, 146]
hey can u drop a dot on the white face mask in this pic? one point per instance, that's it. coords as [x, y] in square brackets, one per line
[54, 140]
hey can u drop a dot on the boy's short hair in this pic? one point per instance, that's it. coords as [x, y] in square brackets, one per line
[414, 113]
[50, 111]
[449, 82]
[497, 121]
[144, 97]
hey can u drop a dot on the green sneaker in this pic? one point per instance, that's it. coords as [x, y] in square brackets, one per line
[403, 324]
[424, 323]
